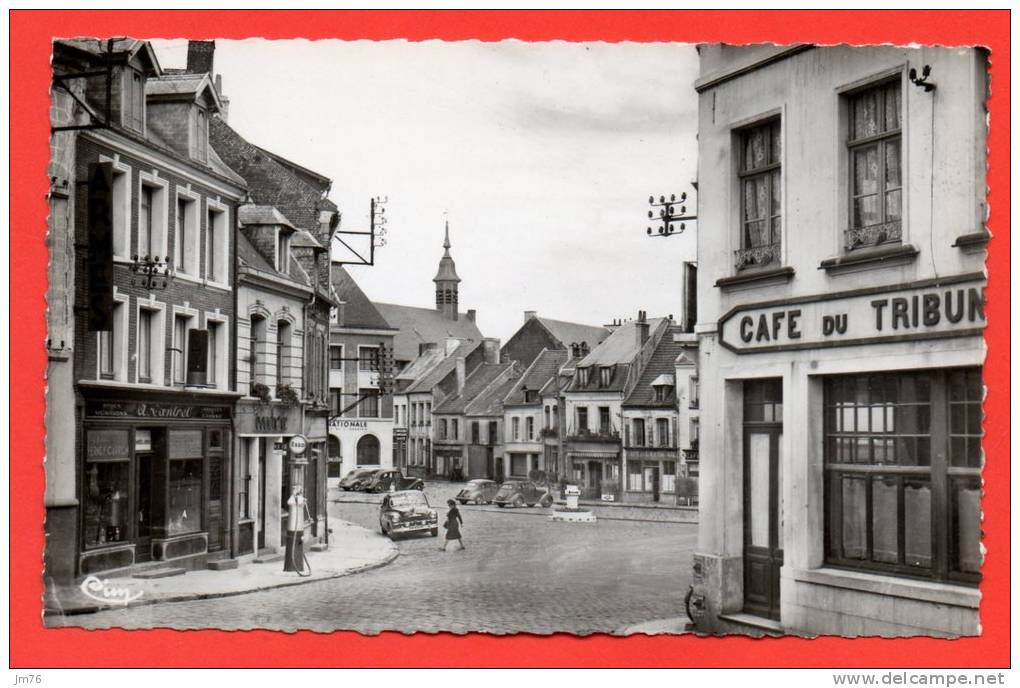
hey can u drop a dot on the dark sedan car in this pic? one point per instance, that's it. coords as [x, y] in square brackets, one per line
[520, 492]
[383, 481]
[403, 513]
[357, 479]
[478, 491]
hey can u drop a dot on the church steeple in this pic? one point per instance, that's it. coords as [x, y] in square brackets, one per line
[446, 280]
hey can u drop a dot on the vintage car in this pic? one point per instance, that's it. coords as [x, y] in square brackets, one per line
[521, 492]
[356, 479]
[392, 479]
[478, 491]
[407, 512]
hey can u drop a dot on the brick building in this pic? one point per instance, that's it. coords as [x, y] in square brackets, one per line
[154, 384]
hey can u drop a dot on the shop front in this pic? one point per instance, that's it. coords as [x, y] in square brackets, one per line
[264, 474]
[651, 476]
[155, 477]
[847, 489]
[596, 473]
[364, 443]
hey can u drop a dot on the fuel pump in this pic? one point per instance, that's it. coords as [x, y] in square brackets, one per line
[297, 509]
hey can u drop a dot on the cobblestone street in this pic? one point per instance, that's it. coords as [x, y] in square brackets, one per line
[520, 572]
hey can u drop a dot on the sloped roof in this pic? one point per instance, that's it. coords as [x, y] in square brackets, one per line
[542, 370]
[358, 310]
[304, 239]
[181, 84]
[251, 214]
[436, 375]
[620, 346]
[570, 333]
[490, 402]
[475, 383]
[97, 48]
[660, 367]
[250, 256]
[422, 365]
[423, 326]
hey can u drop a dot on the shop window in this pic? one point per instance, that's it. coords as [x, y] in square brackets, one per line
[760, 195]
[634, 476]
[369, 406]
[107, 469]
[185, 492]
[518, 465]
[668, 476]
[898, 464]
[874, 144]
[368, 451]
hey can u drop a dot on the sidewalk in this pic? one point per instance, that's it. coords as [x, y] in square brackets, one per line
[677, 626]
[352, 549]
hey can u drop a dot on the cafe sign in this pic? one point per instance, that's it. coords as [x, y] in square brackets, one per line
[932, 309]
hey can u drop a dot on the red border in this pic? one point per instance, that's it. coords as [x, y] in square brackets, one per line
[34, 646]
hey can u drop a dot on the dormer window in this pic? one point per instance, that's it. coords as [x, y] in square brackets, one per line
[662, 392]
[199, 134]
[663, 387]
[283, 251]
[582, 375]
[605, 375]
[530, 396]
[133, 100]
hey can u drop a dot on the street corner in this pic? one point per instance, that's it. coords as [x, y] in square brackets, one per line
[352, 549]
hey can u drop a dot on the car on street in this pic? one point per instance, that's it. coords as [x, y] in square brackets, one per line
[478, 491]
[382, 481]
[407, 512]
[518, 493]
[356, 479]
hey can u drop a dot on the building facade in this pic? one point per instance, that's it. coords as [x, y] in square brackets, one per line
[538, 333]
[531, 417]
[153, 362]
[361, 426]
[841, 290]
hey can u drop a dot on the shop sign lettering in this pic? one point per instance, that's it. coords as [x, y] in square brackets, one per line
[348, 424]
[146, 409]
[107, 444]
[270, 423]
[867, 316]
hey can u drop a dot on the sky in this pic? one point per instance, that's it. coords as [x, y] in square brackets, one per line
[542, 157]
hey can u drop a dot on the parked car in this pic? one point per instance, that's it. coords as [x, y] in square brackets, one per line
[478, 491]
[406, 512]
[382, 480]
[356, 479]
[520, 492]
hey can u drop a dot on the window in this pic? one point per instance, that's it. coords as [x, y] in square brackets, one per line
[336, 358]
[199, 134]
[369, 406]
[185, 242]
[662, 431]
[283, 251]
[515, 428]
[760, 193]
[634, 476]
[215, 357]
[107, 467]
[668, 476]
[605, 375]
[146, 245]
[145, 341]
[582, 419]
[639, 432]
[216, 246]
[692, 393]
[107, 361]
[454, 429]
[547, 426]
[121, 210]
[582, 374]
[694, 429]
[530, 396]
[257, 350]
[336, 403]
[475, 433]
[530, 428]
[368, 451]
[442, 429]
[662, 392]
[518, 465]
[903, 473]
[282, 352]
[876, 187]
[368, 359]
[604, 422]
[134, 100]
[180, 348]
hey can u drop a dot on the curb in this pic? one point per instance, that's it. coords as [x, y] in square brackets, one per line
[92, 609]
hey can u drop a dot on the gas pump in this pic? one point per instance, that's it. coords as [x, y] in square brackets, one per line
[294, 553]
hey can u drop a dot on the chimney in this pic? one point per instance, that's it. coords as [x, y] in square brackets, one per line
[528, 315]
[490, 350]
[461, 373]
[575, 350]
[224, 101]
[200, 57]
[471, 314]
[584, 350]
[641, 327]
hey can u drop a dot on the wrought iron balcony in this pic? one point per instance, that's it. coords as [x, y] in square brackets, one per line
[586, 435]
[874, 235]
[757, 256]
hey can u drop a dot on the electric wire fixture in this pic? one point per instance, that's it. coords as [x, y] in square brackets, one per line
[922, 82]
[376, 234]
[151, 272]
[670, 213]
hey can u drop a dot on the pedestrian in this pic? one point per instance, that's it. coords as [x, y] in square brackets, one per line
[452, 525]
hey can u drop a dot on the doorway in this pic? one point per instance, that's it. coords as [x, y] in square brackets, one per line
[595, 479]
[763, 509]
[653, 479]
[144, 480]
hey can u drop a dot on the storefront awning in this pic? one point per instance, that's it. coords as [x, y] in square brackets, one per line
[604, 456]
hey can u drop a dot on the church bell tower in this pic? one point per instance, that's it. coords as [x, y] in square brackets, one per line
[446, 281]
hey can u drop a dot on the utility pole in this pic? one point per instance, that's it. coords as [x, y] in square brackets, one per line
[670, 212]
[376, 234]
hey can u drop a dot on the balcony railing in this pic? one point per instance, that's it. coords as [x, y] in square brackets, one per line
[757, 256]
[548, 432]
[585, 434]
[865, 237]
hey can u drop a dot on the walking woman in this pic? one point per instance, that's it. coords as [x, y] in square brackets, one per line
[452, 525]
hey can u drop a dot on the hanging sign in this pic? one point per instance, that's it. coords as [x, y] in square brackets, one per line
[297, 445]
[934, 309]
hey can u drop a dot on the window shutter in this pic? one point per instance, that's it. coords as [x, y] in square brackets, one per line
[100, 247]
